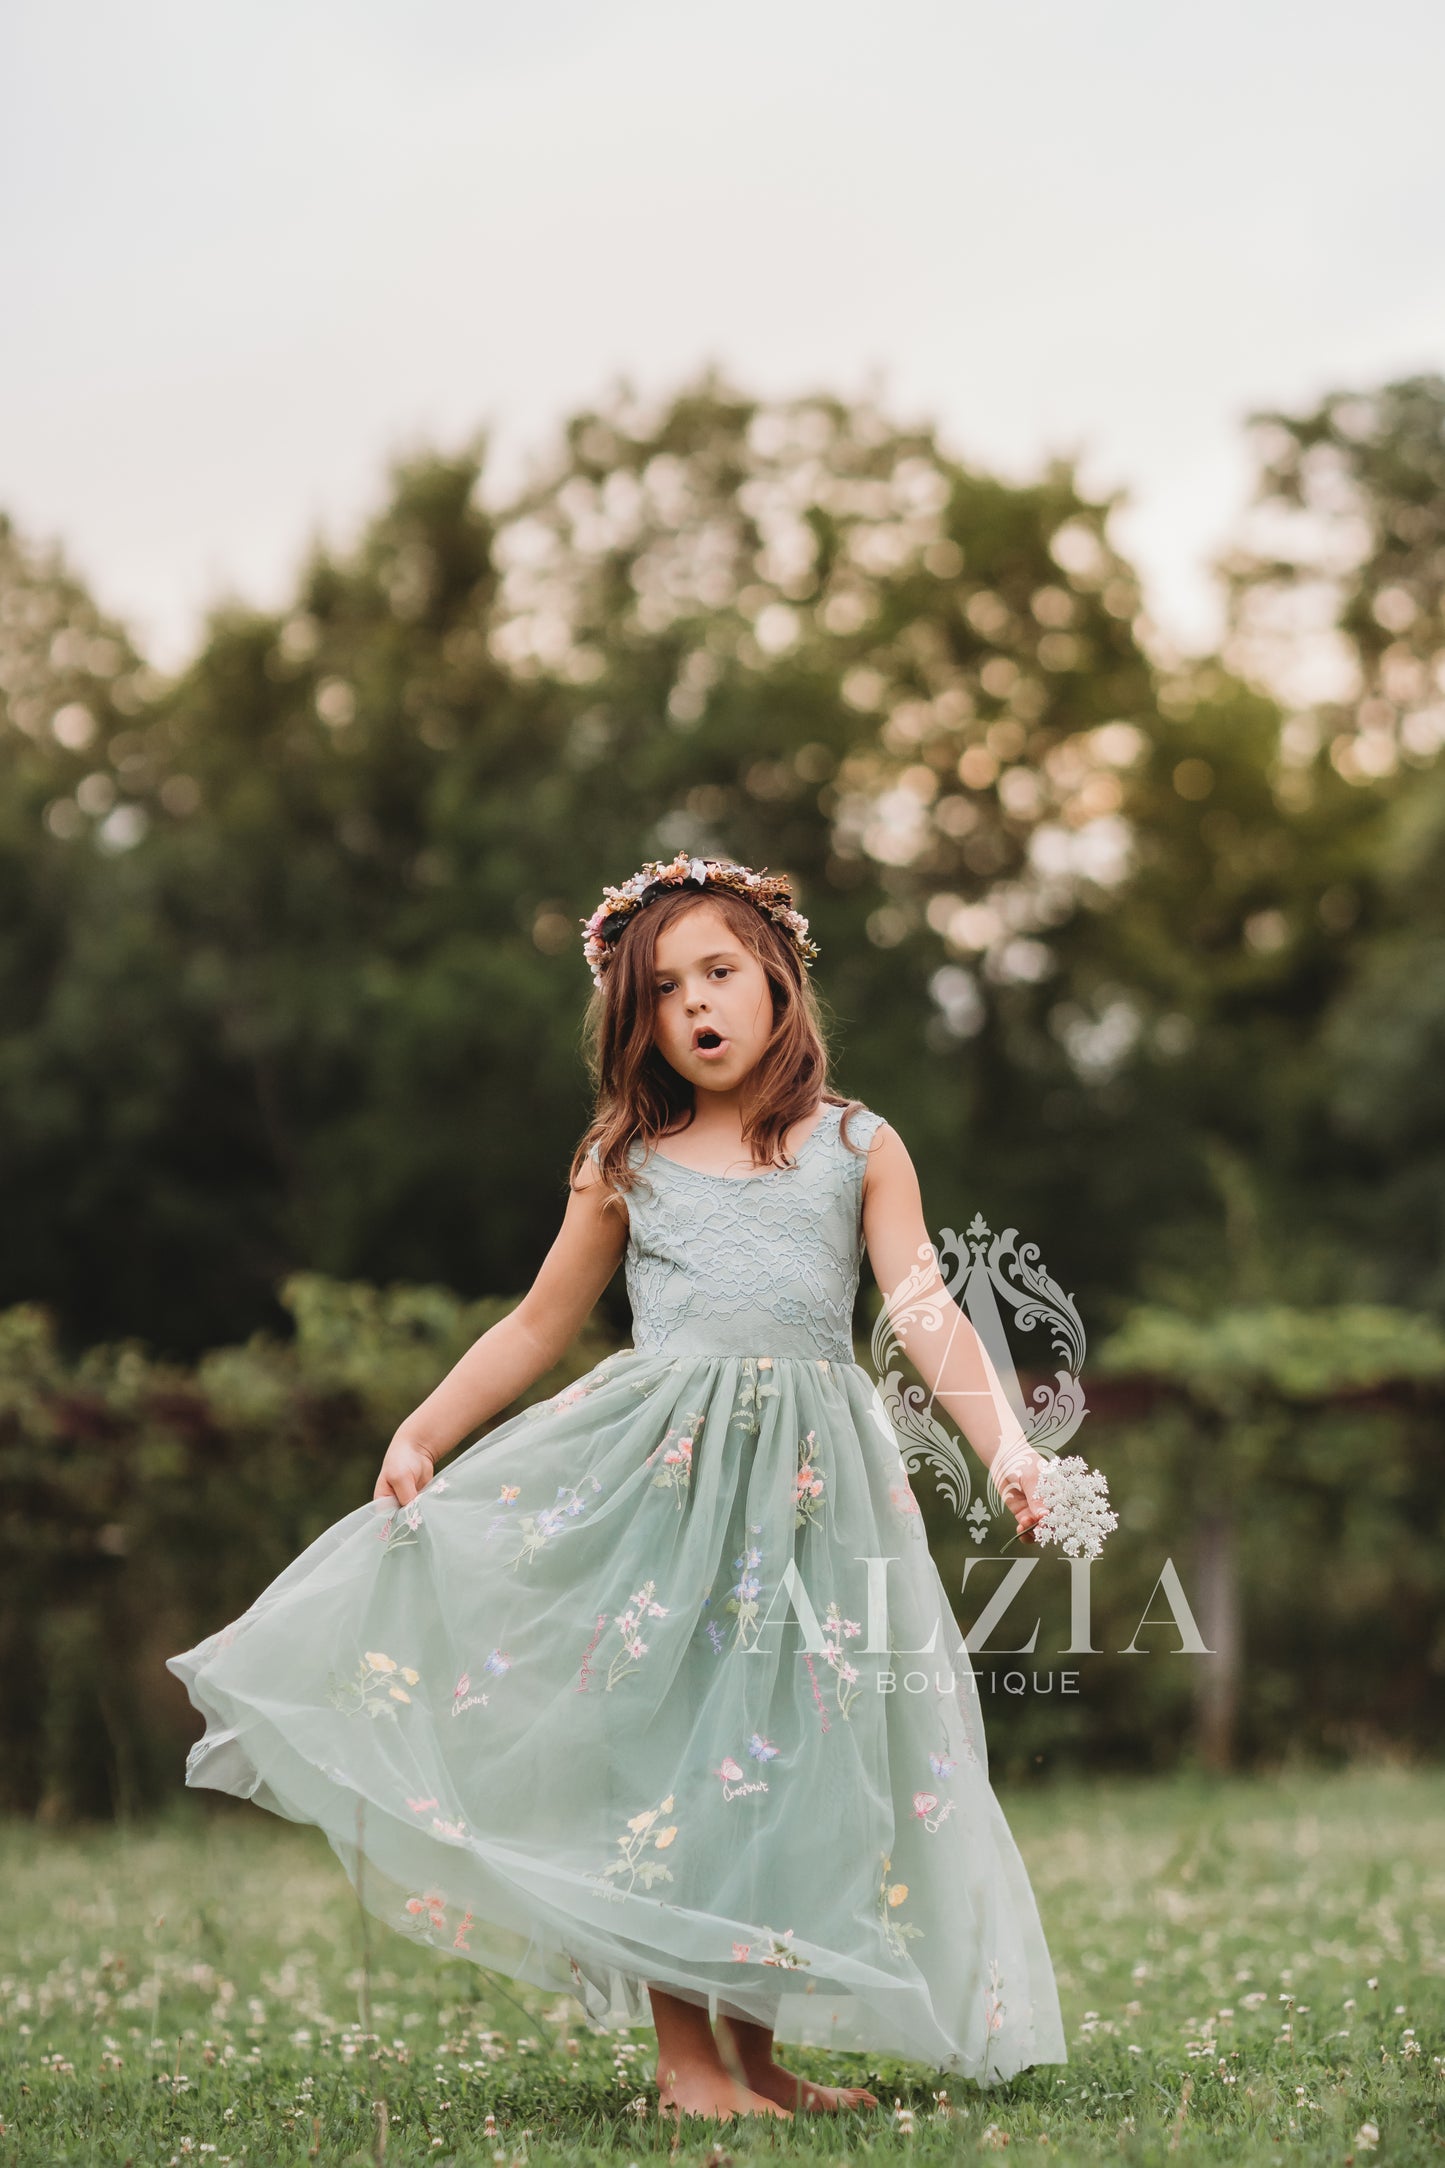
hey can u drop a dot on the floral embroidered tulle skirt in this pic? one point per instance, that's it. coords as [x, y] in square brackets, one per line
[657, 1683]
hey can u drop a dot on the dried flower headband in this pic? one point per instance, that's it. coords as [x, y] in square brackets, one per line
[771, 892]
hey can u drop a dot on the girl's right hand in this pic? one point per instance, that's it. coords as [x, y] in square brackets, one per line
[407, 1469]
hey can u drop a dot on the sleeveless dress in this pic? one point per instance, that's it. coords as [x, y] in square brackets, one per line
[657, 1682]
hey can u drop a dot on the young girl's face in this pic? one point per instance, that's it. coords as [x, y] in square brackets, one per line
[714, 1004]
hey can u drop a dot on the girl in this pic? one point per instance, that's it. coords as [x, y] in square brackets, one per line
[657, 1686]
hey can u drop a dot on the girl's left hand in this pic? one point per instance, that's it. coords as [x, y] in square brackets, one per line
[1019, 1468]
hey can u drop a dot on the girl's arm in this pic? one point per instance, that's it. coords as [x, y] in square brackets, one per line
[519, 1348]
[939, 1340]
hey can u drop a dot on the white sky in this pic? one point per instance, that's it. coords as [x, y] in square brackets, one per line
[250, 253]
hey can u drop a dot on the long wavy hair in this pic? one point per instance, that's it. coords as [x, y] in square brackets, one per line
[639, 1095]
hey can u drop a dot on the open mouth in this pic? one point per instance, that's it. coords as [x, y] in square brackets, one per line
[708, 1041]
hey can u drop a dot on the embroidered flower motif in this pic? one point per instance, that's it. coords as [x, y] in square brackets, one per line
[635, 1863]
[993, 2010]
[536, 1530]
[640, 1605]
[754, 1386]
[896, 1933]
[715, 1636]
[808, 1487]
[459, 1939]
[837, 1629]
[374, 1687]
[742, 1951]
[904, 1500]
[780, 1950]
[676, 1471]
[432, 1905]
[745, 1592]
[399, 1528]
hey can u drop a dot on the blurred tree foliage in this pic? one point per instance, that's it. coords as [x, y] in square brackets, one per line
[290, 976]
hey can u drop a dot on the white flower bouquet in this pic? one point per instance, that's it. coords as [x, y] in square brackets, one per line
[1077, 1515]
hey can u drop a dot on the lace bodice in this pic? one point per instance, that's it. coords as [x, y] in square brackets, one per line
[754, 1264]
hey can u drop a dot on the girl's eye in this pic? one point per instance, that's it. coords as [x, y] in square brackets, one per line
[665, 986]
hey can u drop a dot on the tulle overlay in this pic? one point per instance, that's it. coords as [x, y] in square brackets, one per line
[657, 1683]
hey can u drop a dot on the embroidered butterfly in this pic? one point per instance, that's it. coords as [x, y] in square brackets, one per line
[759, 1748]
[497, 1663]
[729, 1770]
[942, 1765]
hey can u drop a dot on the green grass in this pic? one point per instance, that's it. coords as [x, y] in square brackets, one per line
[1250, 1970]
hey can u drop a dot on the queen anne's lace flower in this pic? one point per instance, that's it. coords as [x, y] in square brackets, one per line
[1077, 1514]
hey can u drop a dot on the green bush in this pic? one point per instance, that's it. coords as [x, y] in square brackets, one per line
[145, 1505]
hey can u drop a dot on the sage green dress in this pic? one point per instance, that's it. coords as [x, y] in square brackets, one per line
[658, 1682]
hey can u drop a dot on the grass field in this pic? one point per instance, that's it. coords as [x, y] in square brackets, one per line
[1250, 1970]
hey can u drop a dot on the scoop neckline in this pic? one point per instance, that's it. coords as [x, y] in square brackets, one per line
[762, 1174]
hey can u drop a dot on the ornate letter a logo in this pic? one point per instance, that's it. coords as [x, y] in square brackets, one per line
[986, 1268]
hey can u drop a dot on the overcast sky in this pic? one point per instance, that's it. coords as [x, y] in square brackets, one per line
[248, 254]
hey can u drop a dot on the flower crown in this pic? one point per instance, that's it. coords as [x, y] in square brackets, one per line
[771, 892]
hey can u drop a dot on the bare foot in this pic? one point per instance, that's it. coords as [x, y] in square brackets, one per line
[693, 2089]
[776, 2083]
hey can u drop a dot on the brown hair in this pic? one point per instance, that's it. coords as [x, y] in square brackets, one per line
[639, 1094]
